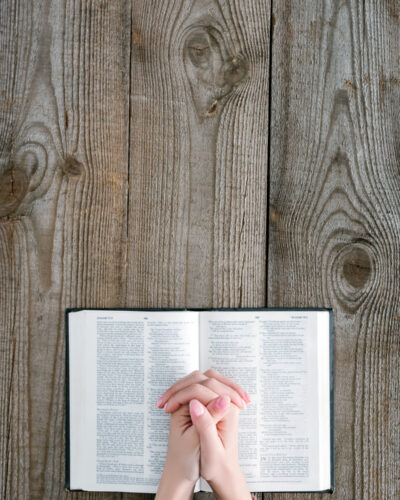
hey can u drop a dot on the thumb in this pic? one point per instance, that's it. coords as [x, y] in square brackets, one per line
[205, 426]
[219, 407]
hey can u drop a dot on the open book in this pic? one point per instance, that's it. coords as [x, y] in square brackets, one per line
[120, 361]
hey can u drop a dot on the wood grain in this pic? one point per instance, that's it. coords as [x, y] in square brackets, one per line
[199, 106]
[198, 154]
[133, 172]
[64, 166]
[196, 168]
[335, 214]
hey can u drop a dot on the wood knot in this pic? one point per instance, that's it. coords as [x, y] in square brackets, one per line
[357, 267]
[13, 186]
[71, 166]
[353, 272]
[213, 71]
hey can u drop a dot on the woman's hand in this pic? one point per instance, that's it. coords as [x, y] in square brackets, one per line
[183, 456]
[182, 466]
[204, 387]
[181, 469]
[217, 426]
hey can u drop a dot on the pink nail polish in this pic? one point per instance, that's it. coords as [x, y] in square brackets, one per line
[222, 402]
[165, 407]
[160, 402]
[247, 397]
[196, 408]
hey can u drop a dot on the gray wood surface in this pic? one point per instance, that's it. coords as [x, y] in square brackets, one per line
[134, 146]
[335, 214]
[198, 154]
[63, 195]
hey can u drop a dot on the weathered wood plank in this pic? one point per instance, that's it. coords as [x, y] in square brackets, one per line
[64, 163]
[14, 434]
[334, 214]
[198, 150]
[199, 108]
[59, 159]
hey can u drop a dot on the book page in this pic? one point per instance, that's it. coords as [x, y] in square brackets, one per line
[120, 363]
[281, 358]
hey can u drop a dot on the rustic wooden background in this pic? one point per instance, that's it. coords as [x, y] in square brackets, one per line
[199, 153]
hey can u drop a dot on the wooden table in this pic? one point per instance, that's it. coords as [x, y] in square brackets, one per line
[230, 153]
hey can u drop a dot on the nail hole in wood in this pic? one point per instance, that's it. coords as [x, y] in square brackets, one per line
[212, 109]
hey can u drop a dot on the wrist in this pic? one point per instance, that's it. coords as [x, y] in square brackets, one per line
[176, 488]
[174, 484]
[230, 484]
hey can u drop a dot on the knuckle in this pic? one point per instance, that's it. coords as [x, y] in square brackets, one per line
[196, 373]
[216, 387]
[169, 394]
[211, 372]
[172, 399]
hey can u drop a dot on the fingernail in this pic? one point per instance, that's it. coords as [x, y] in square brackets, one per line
[196, 408]
[243, 403]
[222, 402]
[160, 402]
[247, 397]
[165, 407]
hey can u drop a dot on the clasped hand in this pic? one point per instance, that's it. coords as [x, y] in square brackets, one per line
[203, 437]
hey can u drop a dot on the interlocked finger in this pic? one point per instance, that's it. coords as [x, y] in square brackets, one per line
[192, 378]
[185, 395]
[227, 381]
[221, 388]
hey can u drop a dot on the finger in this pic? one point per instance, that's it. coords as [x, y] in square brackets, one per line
[219, 407]
[194, 391]
[198, 376]
[213, 384]
[211, 373]
[190, 379]
[210, 441]
[220, 388]
[228, 425]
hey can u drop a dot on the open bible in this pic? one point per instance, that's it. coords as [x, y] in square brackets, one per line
[120, 361]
